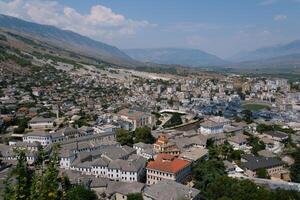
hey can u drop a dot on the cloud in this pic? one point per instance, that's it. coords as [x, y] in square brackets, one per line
[100, 23]
[267, 2]
[280, 17]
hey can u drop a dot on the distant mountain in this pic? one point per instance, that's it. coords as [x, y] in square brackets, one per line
[291, 48]
[67, 40]
[176, 56]
[279, 62]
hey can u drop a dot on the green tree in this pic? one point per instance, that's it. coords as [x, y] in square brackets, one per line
[124, 137]
[50, 178]
[295, 168]
[256, 144]
[225, 187]
[206, 172]
[247, 116]
[262, 173]
[236, 155]
[174, 121]
[143, 134]
[79, 192]
[17, 185]
[135, 196]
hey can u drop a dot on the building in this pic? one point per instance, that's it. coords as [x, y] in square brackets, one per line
[194, 153]
[137, 118]
[253, 163]
[163, 145]
[167, 167]
[66, 158]
[130, 170]
[210, 127]
[144, 150]
[42, 137]
[239, 141]
[167, 189]
[41, 123]
[277, 135]
[120, 190]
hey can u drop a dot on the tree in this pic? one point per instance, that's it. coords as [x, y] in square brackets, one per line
[295, 168]
[135, 196]
[256, 144]
[124, 137]
[247, 116]
[263, 128]
[262, 173]
[206, 172]
[17, 185]
[144, 135]
[50, 179]
[79, 192]
[174, 121]
[236, 155]
[225, 187]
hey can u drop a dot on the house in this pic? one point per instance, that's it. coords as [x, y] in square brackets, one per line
[66, 158]
[137, 118]
[194, 154]
[209, 127]
[130, 170]
[253, 163]
[187, 142]
[168, 189]
[229, 167]
[167, 167]
[41, 123]
[144, 150]
[32, 146]
[44, 138]
[239, 141]
[120, 190]
[8, 154]
[276, 135]
[163, 145]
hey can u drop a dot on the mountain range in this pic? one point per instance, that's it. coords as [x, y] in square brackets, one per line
[284, 55]
[269, 52]
[179, 56]
[67, 40]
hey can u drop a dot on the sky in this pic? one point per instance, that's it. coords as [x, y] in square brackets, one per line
[220, 27]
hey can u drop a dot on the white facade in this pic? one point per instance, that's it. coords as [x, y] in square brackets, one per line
[65, 162]
[41, 123]
[44, 140]
[211, 130]
[113, 174]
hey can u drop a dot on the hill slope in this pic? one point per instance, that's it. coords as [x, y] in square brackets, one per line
[178, 56]
[67, 39]
[291, 48]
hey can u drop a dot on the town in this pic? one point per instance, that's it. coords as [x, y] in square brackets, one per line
[149, 100]
[122, 132]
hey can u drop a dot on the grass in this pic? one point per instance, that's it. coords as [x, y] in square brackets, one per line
[255, 107]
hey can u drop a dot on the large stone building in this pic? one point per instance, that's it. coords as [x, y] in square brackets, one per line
[137, 118]
[167, 167]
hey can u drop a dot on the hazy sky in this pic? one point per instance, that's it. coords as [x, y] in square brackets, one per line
[221, 27]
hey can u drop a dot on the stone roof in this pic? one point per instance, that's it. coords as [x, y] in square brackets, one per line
[37, 133]
[170, 190]
[258, 162]
[277, 134]
[124, 188]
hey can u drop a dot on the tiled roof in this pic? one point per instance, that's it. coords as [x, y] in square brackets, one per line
[258, 162]
[167, 163]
